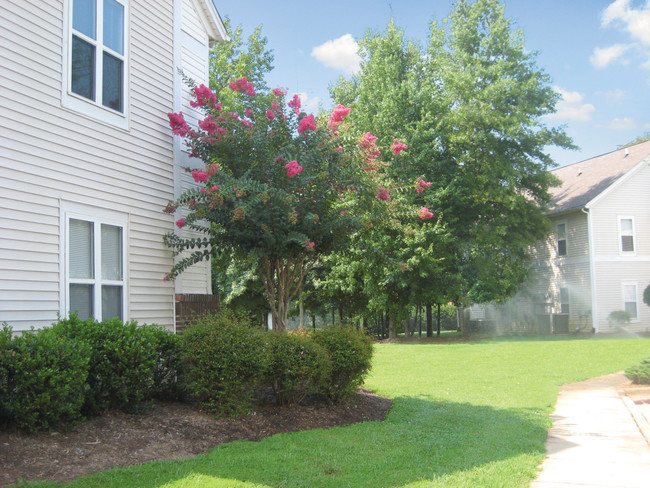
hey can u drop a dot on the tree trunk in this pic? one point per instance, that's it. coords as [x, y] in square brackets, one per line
[301, 308]
[463, 323]
[391, 327]
[438, 331]
[429, 321]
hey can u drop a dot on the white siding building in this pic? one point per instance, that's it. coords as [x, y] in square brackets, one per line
[87, 158]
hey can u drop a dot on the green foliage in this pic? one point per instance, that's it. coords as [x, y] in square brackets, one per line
[645, 137]
[350, 354]
[166, 381]
[646, 296]
[122, 363]
[296, 366]
[42, 378]
[640, 373]
[223, 359]
[619, 317]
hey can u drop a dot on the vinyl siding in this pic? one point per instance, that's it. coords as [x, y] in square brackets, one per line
[50, 154]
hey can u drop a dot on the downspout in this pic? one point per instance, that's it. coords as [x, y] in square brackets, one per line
[592, 271]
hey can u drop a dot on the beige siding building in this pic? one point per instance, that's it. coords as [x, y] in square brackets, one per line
[87, 158]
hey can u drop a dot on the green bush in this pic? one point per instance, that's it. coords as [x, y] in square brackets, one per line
[619, 317]
[122, 363]
[350, 354]
[295, 366]
[45, 378]
[5, 361]
[167, 379]
[640, 373]
[223, 358]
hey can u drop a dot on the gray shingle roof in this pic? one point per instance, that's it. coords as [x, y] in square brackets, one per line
[583, 181]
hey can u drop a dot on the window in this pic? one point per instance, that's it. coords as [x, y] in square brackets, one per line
[564, 300]
[95, 269]
[97, 60]
[561, 239]
[626, 233]
[629, 299]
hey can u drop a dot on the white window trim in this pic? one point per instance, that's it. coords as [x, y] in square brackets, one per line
[97, 216]
[557, 240]
[620, 235]
[77, 103]
[636, 297]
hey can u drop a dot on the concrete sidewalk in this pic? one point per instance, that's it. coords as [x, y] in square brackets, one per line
[600, 436]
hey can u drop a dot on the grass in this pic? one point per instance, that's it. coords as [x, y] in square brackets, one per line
[465, 415]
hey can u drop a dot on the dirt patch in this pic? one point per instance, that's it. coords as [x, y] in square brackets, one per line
[168, 431]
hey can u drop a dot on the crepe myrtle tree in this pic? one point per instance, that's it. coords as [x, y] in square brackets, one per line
[279, 186]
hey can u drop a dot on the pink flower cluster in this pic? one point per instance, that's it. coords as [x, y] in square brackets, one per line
[309, 245]
[372, 153]
[420, 184]
[178, 124]
[338, 116]
[306, 123]
[180, 223]
[382, 194]
[204, 96]
[424, 213]
[293, 168]
[279, 92]
[242, 84]
[398, 147]
[294, 103]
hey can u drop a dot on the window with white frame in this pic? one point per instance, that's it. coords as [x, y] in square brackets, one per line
[630, 299]
[564, 300]
[561, 239]
[97, 59]
[626, 234]
[95, 269]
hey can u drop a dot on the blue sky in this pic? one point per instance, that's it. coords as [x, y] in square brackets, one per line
[597, 53]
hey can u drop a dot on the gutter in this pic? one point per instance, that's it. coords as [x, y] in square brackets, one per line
[592, 271]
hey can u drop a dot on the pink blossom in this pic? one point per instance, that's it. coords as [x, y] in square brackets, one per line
[338, 115]
[270, 115]
[306, 123]
[424, 213]
[215, 187]
[398, 147]
[166, 278]
[200, 176]
[293, 168]
[279, 92]
[339, 149]
[180, 223]
[404, 265]
[178, 124]
[382, 194]
[420, 184]
[202, 190]
[294, 103]
[249, 113]
[209, 125]
[192, 202]
[309, 245]
[204, 96]
[212, 169]
[275, 106]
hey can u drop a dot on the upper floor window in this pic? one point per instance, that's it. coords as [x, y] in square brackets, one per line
[626, 233]
[97, 58]
[561, 239]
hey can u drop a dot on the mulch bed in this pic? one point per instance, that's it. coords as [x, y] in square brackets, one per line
[168, 431]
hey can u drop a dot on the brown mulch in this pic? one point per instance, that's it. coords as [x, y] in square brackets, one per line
[168, 431]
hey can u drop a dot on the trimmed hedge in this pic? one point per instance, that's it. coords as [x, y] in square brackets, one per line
[640, 373]
[295, 367]
[223, 360]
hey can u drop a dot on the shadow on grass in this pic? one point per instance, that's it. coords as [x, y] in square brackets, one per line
[421, 440]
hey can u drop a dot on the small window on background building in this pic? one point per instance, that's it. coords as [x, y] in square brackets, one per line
[629, 300]
[626, 226]
[564, 300]
[561, 239]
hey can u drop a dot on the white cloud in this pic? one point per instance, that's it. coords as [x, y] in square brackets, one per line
[625, 123]
[614, 96]
[606, 55]
[572, 107]
[341, 54]
[635, 20]
[309, 104]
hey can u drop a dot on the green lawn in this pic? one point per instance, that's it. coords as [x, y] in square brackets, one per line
[464, 415]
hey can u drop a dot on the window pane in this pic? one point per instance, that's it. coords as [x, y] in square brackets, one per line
[629, 293]
[111, 252]
[83, 17]
[627, 243]
[81, 300]
[80, 258]
[561, 248]
[112, 83]
[114, 26]
[626, 226]
[561, 231]
[111, 302]
[630, 307]
[83, 68]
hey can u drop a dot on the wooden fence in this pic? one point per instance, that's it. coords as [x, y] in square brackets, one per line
[191, 306]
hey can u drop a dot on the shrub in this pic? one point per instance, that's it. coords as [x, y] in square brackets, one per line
[122, 364]
[619, 317]
[167, 377]
[295, 366]
[5, 356]
[46, 376]
[223, 357]
[640, 373]
[350, 354]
